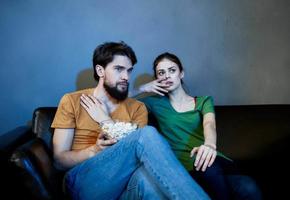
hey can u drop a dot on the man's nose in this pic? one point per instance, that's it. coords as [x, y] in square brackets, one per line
[125, 76]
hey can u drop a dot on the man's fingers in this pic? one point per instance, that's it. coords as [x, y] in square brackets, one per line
[101, 135]
[108, 142]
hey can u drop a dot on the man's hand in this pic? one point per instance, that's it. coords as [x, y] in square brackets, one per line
[104, 142]
[205, 156]
[96, 109]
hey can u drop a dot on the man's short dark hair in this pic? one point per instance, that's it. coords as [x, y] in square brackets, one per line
[105, 53]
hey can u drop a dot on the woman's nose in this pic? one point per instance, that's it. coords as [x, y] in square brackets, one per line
[167, 75]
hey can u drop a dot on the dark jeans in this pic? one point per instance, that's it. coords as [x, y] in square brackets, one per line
[223, 181]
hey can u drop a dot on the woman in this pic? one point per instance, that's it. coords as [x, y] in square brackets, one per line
[188, 123]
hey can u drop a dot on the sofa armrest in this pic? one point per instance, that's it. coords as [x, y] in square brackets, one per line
[34, 166]
[13, 138]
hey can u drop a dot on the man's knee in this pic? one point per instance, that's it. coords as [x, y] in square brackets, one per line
[150, 133]
[142, 186]
[140, 179]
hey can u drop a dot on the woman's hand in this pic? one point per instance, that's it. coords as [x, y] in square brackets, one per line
[96, 109]
[155, 86]
[205, 156]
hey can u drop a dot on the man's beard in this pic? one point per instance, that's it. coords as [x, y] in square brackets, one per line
[115, 93]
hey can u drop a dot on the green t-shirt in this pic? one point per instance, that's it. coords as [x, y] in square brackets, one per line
[183, 130]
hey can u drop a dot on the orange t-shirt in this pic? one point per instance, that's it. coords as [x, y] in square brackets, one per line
[70, 114]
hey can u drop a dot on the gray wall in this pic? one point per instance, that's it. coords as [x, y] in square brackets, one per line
[236, 51]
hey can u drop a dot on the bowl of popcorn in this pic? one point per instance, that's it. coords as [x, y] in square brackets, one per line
[118, 130]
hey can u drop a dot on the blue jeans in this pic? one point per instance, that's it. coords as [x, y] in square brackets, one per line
[142, 186]
[223, 181]
[106, 175]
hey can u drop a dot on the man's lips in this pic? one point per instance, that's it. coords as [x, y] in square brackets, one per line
[124, 84]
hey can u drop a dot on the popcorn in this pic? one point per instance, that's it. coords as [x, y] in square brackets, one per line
[118, 130]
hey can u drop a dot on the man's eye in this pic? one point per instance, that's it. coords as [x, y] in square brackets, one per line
[130, 71]
[119, 69]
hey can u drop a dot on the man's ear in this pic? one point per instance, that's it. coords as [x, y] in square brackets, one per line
[100, 71]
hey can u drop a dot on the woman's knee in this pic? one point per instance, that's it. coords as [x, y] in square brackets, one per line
[244, 187]
[251, 188]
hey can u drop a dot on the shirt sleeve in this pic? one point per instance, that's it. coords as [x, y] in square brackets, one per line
[140, 117]
[208, 106]
[64, 117]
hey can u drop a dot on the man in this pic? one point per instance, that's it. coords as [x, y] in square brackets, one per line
[139, 166]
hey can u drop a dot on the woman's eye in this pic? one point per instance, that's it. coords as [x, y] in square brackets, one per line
[160, 73]
[172, 70]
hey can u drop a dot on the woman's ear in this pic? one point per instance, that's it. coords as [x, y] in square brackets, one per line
[100, 71]
[181, 75]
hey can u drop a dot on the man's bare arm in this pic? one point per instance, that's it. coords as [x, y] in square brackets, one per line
[63, 155]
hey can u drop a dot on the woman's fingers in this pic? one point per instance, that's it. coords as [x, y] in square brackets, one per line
[198, 157]
[212, 158]
[157, 92]
[155, 86]
[160, 84]
[84, 105]
[95, 100]
[194, 151]
[87, 100]
[90, 101]
[207, 160]
[202, 159]
[161, 89]
[158, 88]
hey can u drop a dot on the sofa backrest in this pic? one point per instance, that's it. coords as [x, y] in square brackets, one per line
[244, 131]
[41, 122]
[253, 131]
